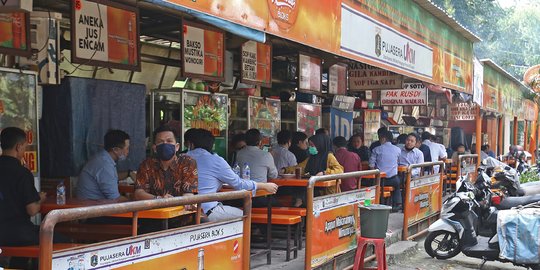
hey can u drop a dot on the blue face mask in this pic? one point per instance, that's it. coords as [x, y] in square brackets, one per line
[165, 151]
[313, 150]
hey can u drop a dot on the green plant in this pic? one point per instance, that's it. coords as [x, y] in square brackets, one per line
[529, 176]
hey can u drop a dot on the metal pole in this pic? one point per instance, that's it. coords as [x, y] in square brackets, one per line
[525, 135]
[500, 146]
[515, 142]
[478, 133]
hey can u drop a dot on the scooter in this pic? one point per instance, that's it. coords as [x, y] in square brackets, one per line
[455, 231]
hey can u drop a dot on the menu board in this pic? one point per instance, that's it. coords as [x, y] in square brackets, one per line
[337, 79]
[14, 33]
[18, 109]
[308, 118]
[265, 115]
[309, 73]
[105, 35]
[207, 111]
[372, 122]
[203, 52]
[257, 63]
[463, 111]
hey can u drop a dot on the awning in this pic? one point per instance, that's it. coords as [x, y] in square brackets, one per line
[228, 26]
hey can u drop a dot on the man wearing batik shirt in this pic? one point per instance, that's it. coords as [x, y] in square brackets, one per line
[166, 175]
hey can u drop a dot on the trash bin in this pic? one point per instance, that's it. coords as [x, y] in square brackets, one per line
[374, 220]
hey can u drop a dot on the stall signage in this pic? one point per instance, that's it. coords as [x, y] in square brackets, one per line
[309, 70]
[105, 35]
[423, 199]
[343, 103]
[14, 33]
[308, 118]
[463, 111]
[341, 123]
[257, 63]
[336, 224]
[337, 79]
[384, 45]
[478, 83]
[366, 77]
[214, 246]
[414, 94]
[203, 52]
[30, 161]
[265, 115]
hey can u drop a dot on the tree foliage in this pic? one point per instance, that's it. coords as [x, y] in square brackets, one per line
[511, 37]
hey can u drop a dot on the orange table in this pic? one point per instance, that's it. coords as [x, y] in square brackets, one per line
[301, 182]
[124, 188]
[372, 176]
[402, 168]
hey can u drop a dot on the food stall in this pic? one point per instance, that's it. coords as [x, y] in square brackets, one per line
[261, 113]
[303, 117]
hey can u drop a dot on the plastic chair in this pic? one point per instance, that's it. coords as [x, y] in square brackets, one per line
[380, 253]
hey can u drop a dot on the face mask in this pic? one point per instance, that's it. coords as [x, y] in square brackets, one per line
[122, 157]
[312, 150]
[165, 151]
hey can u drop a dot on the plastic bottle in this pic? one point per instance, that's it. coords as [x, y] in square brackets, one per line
[367, 200]
[236, 169]
[61, 194]
[246, 173]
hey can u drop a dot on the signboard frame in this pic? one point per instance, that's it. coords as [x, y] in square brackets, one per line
[299, 120]
[402, 100]
[361, 67]
[248, 81]
[202, 76]
[311, 56]
[456, 107]
[338, 83]
[270, 137]
[82, 61]
[21, 52]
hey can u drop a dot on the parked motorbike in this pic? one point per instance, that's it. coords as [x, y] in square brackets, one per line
[455, 231]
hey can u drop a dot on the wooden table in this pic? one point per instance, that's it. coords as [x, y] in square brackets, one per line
[372, 176]
[124, 188]
[163, 214]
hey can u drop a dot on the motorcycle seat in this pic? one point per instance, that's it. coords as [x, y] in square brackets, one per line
[509, 202]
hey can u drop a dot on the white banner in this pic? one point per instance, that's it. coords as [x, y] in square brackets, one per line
[325, 203]
[194, 50]
[414, 94]
[91, 31]
[365, 37]
[249, 60]
[463, 111]
[478, 83]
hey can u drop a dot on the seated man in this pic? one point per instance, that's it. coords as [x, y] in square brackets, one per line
[283, 158]
[385, 158]
[214, 171]
[261, 163]
[410, 154]
[99, 179]
[350, 162]
[167, 175]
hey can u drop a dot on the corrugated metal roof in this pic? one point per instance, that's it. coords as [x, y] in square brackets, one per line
[498, 68]
[446, 18]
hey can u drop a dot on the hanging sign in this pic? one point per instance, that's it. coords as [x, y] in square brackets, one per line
[309, 69]
[105, 35]
[337, 79]
[14, 34]
[203, 52]
[463, 111]
[478, 82]
[257, 63]
[308, 118]
[341, 123]
[414, 94]
[343, 103]
[366, 77]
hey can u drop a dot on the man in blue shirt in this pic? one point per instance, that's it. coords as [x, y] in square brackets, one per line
[283, 158]
[214, 171]
[410, 154]
[385, 158]
[98, 179]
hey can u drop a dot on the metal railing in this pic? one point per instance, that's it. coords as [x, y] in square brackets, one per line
[56, 216]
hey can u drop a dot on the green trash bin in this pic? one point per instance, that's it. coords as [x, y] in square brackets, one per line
[374, 220]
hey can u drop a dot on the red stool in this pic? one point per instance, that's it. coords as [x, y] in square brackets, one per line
[380, 253]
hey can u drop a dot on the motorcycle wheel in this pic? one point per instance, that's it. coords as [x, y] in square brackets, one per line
[535, 267]
[442, 245]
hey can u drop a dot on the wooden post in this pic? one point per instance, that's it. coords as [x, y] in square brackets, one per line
[500, 146]
[515, 130]
[532, 143]
[525, 135]
[478, 134]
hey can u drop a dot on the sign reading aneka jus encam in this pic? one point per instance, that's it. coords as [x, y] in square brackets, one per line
[106, 35]
[413, 94]
[203, 52]
[365, 37]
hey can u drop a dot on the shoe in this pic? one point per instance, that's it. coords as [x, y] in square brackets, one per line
[397, 208]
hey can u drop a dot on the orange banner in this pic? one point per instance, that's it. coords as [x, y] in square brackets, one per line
[203, 52]
[30, 161]
[14, 33]
[422, 198]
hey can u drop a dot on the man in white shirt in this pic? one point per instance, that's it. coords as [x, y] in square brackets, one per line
[438, 151]
[283, 158]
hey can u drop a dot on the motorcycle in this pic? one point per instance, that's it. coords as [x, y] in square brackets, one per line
[455, 231]
[508, 179]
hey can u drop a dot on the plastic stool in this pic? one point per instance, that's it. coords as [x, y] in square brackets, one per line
[380, 253]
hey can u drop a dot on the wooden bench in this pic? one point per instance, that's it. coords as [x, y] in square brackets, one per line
[297, 211]
[94, 232]
[30, 251]
[283, 220]
[387, 193]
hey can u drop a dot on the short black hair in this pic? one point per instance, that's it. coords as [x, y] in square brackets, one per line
[389, 136]
[402, 138]
[484, 147]
[340, 141]
[460, 145]
[416, 137]
[203, 139]
[114, 138]
[188, 135]
[321, 131]
[382, 131]
[253, 137]
[163, 129]
[236, 138]
[298, 137]
[10, 137]
[426, 136]
[284, 137]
